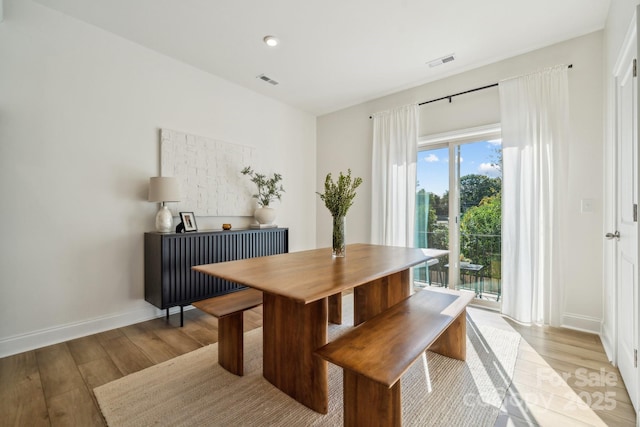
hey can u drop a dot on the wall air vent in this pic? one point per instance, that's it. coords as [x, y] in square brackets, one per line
[442, 60]
[267, 79]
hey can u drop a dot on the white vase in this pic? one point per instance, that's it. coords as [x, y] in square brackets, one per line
[164, 220]
[265, 215]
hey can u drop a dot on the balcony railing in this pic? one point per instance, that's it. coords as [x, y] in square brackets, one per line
[477, 249]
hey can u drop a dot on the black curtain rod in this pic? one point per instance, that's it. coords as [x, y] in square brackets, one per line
[463, 93]
[458, 94]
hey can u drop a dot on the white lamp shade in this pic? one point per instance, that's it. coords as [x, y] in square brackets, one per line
[164, 189]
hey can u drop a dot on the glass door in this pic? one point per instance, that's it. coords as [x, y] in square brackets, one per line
[480, 213]
[432, 214]
[458, 208]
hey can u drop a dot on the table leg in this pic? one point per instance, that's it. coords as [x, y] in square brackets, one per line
[335, 309]
[476, 284]
[291, 333]
[376, 296]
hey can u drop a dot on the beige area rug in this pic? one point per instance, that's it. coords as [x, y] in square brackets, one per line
[193, 390]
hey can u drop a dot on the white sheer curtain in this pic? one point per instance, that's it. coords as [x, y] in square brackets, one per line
[393, 181]
[535, 122]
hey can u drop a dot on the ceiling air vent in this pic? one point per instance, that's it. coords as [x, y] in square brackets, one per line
[442, 60]
[267, 79]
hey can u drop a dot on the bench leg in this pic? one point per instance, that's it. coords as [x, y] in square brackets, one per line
[369, 403]
[453, 342]
[230, 343]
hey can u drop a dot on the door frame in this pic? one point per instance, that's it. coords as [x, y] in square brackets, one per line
[609, 328]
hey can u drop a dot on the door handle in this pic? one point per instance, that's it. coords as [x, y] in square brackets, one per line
[615, 235]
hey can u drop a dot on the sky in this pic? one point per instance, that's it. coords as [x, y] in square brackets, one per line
[476, 158]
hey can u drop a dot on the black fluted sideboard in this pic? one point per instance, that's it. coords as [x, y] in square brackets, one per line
[169, 280]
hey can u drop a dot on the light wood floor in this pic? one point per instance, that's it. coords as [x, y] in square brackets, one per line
[562, 378]
[53, 385]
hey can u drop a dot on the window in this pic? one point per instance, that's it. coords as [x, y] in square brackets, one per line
[458, 208]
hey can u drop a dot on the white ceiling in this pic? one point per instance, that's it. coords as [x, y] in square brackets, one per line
[338, 53]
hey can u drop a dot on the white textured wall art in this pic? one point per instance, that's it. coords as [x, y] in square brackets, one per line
[209, 173]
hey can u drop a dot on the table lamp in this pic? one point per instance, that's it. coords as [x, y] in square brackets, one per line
[164, 189]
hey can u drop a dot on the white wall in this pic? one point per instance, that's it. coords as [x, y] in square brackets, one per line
[344, 140]
[618, 21]
[80, 112]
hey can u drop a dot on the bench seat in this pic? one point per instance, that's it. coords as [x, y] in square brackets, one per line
[375, 354]
[229, 309]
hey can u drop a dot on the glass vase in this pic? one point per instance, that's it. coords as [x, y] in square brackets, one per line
[339, 247]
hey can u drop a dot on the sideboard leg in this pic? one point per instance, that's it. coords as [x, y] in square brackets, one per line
[181, 316]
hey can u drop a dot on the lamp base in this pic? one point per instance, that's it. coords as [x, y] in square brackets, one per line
[164, 220]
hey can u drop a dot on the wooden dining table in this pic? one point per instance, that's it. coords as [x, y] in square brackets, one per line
[302, 291]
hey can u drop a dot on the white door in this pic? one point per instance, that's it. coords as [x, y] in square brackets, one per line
[626, 219]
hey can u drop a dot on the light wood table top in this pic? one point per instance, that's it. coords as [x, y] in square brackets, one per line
[308, 276]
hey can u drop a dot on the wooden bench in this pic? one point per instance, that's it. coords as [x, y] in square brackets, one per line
[229, 309]
[375, 354]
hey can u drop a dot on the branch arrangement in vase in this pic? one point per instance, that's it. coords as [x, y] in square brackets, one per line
[338, 197]
[269, 189]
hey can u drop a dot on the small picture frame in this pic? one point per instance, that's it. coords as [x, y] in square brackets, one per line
[189, 221]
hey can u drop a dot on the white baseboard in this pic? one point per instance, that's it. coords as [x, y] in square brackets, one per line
[44, 337]
[608, 343]
[581, 323]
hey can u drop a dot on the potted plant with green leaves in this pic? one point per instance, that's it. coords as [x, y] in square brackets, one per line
[269, 189]
[338, 198]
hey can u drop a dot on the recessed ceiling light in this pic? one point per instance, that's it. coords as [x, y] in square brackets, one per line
[271, 41]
